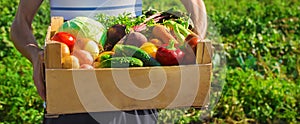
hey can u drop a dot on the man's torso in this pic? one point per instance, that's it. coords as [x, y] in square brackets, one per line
[89, 8]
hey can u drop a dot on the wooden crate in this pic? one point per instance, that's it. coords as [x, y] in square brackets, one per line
[109, 89]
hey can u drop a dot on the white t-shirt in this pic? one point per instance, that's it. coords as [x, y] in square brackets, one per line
[89, 8]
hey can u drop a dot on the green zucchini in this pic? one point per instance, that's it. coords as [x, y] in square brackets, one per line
[133, 51]
[121, 62]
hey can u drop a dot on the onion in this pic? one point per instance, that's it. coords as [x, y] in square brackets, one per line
[65, 51]
[86, 66]
[89, 45]
[70, 61]
[83, 56]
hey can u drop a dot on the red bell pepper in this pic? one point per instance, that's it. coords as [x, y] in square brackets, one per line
[169, 55]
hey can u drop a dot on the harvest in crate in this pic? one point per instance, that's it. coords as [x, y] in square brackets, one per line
[108, 60]
[152, 39]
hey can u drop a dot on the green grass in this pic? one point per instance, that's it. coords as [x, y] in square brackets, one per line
[261, 42]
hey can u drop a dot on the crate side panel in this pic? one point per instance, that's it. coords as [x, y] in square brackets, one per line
[76, 91]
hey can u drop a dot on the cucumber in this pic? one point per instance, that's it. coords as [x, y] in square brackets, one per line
[105, 57]
[133, 51]
[121, 62]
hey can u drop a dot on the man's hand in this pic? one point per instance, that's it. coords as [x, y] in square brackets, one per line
[197, 10]
[39, 75]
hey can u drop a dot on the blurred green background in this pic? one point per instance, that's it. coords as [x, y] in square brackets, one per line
[262, 45]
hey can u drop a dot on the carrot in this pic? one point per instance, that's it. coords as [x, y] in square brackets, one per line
[160, 32]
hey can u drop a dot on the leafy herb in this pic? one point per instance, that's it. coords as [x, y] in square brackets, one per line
[148, 18]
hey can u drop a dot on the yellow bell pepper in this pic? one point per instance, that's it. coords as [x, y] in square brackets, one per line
[150, 48]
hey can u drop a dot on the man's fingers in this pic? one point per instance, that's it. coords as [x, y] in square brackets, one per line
[38, 76]
[42, 81]
[39, 82]
[42, 75]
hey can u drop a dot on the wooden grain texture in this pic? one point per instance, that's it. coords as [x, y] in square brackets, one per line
[207, 56]
[77, 91]
[48, 35]
[53, 55]
[204, 52]
[56, 22]
[53, 49]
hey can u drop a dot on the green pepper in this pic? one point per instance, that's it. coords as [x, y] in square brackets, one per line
[180, 31]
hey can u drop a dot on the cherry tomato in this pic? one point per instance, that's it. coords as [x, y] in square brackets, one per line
[192, 42]
[65, 38]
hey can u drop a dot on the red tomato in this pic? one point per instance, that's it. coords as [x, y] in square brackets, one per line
[193, 43]
[65, 38]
